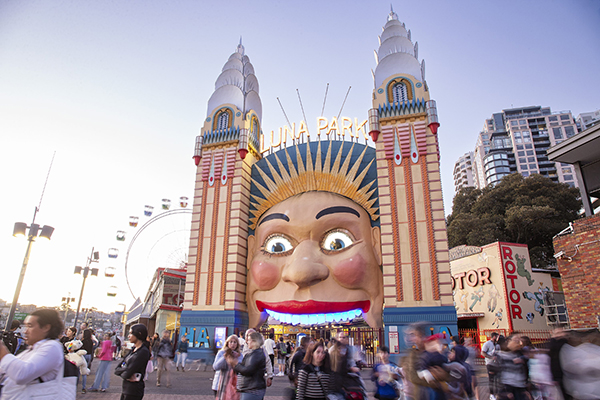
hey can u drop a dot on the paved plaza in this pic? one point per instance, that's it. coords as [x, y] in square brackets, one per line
[196, 384]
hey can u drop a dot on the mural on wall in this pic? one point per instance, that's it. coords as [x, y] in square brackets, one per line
[524, 304]
[497, 286]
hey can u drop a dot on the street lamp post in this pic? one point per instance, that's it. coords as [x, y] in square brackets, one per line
[20, 229]
[94, 257]
[67, 300]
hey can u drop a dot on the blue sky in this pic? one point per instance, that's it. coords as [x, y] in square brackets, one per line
[119, 90]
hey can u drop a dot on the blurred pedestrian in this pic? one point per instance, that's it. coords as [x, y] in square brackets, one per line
[489, 351]
[164, 353]
[225, 379]
[297, 361]
[102, 379]
[182, 352]
[251, 382]
[345, 379]
[385, 375]
[133, 367]
[423, 366]
[43, 360]
[513, 375]
[269, 366]
[88, 346]
[313, 378]
[269, 347]
[281, 355]
[154, 343]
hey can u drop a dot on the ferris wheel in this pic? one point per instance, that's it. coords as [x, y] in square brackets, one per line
[159, 239]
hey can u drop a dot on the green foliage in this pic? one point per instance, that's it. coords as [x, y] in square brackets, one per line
[518, 210]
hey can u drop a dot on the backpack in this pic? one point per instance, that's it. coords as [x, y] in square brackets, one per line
[282, 348]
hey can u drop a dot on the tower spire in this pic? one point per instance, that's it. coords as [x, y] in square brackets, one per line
[393, 15]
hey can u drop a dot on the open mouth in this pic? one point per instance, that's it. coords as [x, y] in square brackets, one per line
[314, 312]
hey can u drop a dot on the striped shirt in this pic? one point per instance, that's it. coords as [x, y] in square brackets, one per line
[312, 383]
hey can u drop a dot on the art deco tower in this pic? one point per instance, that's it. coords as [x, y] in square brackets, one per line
[403, 123]
[225, 151]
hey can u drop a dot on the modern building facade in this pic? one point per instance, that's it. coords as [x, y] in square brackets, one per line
[463, 172]
[517, 139]
[587, 120]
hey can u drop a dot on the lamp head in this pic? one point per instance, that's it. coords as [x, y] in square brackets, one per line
[46, 232]
[33, 231]
[94, 271]
[96, 255]
[78, 270]
[20, 229]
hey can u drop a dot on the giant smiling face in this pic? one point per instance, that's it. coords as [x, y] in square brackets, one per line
[315, 253]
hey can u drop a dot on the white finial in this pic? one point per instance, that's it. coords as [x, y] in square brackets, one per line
[240, 47]
[392, 15]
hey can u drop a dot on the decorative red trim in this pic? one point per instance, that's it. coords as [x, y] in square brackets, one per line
[435, 282]
[412, 229]
[395, 231]
[226, 241]
[199, 246]
[213, 245]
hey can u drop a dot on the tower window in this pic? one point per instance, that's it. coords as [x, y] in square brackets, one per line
[399, 93]
[254, 128]
[223, 120]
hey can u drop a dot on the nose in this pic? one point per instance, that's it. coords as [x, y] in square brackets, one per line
[305, 267]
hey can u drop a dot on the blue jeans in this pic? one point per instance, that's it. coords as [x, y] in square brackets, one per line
[88, 360]
[102, 376]
[251, 396]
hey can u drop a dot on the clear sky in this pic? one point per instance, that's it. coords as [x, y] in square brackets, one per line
[119, 90]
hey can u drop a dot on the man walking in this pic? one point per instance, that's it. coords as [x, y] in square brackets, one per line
[270, 348]
[488, 350]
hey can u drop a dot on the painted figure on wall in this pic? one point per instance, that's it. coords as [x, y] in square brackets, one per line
[493, 295]
[521, 270]
[314, 246]
[476, 297]
[497, 319]
[464, 298]
[537, 298]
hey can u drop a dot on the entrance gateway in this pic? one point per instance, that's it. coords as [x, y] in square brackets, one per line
[320, 229]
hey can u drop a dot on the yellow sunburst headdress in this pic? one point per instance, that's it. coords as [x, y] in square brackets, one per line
[272, 184]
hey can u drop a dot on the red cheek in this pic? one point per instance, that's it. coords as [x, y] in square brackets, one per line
[265, 275]
[351, 271]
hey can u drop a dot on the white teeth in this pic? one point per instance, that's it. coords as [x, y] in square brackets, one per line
[313, 319]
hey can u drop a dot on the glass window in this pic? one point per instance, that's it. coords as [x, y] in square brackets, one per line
[484, 136]
[557, 132]
[569, 131]
[524, 166]
[399, 92]
[525, 174]
[568, 177]
[553, 118]
[522, 122]
[553, 123]
[530, 159]
[571, 184]
[521, 153]
[565, 164]
[528, 146]
[564, 117]
[223, 120]
[522, 160]
[526, 137]
[513, 123]
[529, 152]
[566, 170]
[532, 166]
[520, 147]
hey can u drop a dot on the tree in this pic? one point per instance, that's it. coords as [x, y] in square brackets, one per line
[519, 210]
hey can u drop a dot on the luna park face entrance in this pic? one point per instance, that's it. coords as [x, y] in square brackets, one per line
[364, 339]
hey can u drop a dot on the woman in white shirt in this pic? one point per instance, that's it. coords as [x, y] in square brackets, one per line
[42, 361]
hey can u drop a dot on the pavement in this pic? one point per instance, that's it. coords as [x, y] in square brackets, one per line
[196, 382]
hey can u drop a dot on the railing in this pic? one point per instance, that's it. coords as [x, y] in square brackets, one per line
[539, 338]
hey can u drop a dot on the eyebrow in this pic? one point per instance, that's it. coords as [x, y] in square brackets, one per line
[337, 209]
[275, 216]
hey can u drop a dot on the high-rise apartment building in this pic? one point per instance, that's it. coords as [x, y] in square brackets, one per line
[587, 120]
[516, 140]
[463, 172]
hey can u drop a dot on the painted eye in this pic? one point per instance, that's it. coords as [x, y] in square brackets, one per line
[336, 240]
[277, 244]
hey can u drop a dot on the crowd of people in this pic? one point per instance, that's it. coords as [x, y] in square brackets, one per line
[433, 368]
